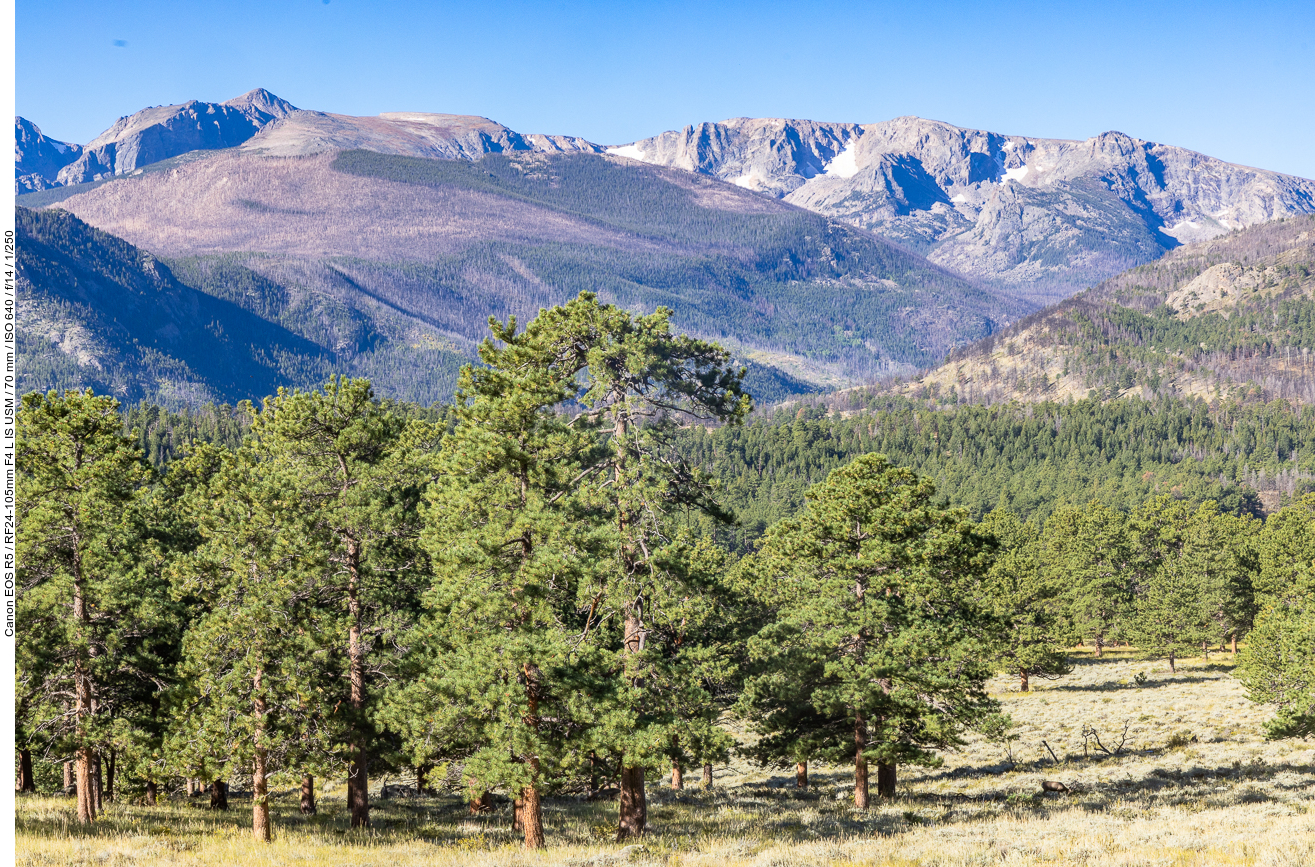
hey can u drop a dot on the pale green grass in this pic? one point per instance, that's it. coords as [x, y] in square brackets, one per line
[1227, 798]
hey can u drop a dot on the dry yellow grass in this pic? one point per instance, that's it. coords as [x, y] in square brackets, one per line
[1225, 798]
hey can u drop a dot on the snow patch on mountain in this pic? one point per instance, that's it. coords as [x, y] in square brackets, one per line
[629, 151]
[1014, 174]
[843, 164]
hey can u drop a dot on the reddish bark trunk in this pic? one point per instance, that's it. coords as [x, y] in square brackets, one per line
[358, 773]
[483, 804]
[152, 793]
[110, 765]
[1022, 681]
[26, 781]
[1233, 640]
[259, 785]
[532, 814]
[677, 776]
[801, 775]
[860, 763]
[886, 780]
[707, 776]
[308, 795]
[633, 820]
[82, 699]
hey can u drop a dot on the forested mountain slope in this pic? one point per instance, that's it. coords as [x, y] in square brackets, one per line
[1040, 218]
[398, 252]
[1029, 459]
[1233, 318]
[95, 311]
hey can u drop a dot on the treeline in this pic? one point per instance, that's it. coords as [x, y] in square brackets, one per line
[520, 591]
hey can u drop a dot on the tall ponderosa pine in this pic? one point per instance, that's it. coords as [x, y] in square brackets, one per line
[637, 381]
[502, 666]
[1088, 550]
[254, 690]
[355, 468]
[1029, 602]
[1190, 580]
[1278, 664]
[83, 607]
[876, 634]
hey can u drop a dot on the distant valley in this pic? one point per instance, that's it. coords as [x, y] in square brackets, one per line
[1228, 319]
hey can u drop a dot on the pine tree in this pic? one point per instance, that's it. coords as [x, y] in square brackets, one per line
[257, 662]
[878, 652]
[1028, 600]
[1088, 550]
[1277, 666]
[1189, 576]
[83, 606]
[636, 381]
[356, 468]
[504, 670]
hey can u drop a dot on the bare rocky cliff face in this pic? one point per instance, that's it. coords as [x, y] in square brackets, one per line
[1040, 218]
[165, 131]
[37, 159]
[262, 123]
[409, 134]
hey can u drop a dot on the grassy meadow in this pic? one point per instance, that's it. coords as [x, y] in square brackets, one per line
[1194, 784]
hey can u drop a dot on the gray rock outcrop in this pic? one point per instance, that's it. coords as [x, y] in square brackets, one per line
[165, 131]
[403, 133]
[37, 158]
[1040, 218]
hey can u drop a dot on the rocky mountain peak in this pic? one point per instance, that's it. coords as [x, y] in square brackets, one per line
[261, 103]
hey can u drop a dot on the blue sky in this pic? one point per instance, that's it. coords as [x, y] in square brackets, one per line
[1235, 80]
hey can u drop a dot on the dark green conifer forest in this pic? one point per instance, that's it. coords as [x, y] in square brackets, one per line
[601, 562]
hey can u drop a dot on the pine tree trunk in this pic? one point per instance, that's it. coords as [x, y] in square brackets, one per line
[85, 783]
[1172, 666]
[68, 774]
[1022, 681]
[483, 804]
[26, 781]
[633, 812]
[97, 783]
[677, 776]
[422, 778]
[308, 795]
[593, 774]
[532, 809]
[860, 762]
[1099, 646]
[1233, 640]
[82, 698]
[219, 795]
[634, 807]
[110, 766]
[1205, 651]
[259, 785]
[152, 793]
[358, 779]
[886, 779]
[518, 814]
[259, 798]
[707, 775]
[801, 775]
[532, 813]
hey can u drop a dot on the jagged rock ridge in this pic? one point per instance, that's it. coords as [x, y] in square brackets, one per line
[1041, 218]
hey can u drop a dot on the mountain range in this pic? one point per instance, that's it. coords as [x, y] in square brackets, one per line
[824, 254]
[1232, 318]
